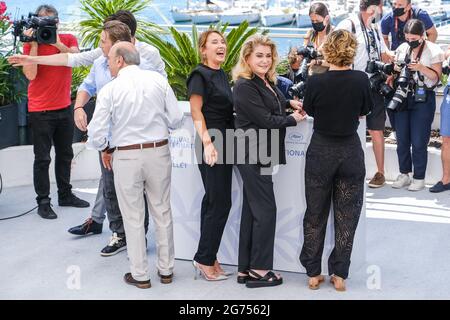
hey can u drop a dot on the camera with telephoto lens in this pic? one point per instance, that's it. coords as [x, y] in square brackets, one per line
[44, 29]
[404, 82]
[298, 89]
[380, 71]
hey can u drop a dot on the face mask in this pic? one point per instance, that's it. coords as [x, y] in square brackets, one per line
[398, 12]
[318, 27]
[414, 44]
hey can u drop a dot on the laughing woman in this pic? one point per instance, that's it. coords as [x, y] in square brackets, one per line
[211, 103]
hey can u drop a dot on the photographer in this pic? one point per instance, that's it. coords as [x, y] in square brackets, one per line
[334, 168]
[294, 61]
[394, 22]
[370, 51]
[444, 183]
[315, 37]
[415, 102]
[51, 119]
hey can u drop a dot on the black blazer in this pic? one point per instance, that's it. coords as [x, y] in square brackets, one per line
[258, 108]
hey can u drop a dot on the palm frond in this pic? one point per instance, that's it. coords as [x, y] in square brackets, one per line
[98, 10]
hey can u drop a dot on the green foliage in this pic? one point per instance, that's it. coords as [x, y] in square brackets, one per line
[10, 79]
[78, 75]
[183, 56]
[283, 66]
[98, 10]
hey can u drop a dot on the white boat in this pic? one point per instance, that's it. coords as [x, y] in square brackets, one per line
[204, 17]
[282, 13]
[302, 18]
[278, 16]
[182, 15]
[236, 16]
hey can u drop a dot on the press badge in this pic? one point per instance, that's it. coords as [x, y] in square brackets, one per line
[420, 95]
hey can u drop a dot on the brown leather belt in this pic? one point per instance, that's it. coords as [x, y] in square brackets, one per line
[144, 145]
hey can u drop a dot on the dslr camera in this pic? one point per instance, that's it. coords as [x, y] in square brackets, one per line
[308, 53]
[44, 29]
[404, 82]
[380, 71]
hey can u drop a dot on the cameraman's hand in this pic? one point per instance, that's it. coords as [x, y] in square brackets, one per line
[298, 116]
[80, 118]
[296, 105]
[390, 81]
[29, 33]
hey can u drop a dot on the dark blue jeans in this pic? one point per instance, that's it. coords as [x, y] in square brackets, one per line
[413, 127]
[52, 127]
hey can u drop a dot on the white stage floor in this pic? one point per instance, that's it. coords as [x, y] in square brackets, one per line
[408, 256]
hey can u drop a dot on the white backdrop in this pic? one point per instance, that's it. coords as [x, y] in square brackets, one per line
[187, 192]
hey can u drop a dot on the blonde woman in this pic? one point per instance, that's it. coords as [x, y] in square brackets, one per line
[334, 169]
[260, 114]
[212, 108]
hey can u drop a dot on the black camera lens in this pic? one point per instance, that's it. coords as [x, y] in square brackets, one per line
[45, 34]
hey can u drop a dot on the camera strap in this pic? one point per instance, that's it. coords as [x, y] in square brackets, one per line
[367, 38]
[421, 77]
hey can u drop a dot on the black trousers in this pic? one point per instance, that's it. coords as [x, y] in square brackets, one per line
[334, 171]
[258, 220]
[52, 127]
[216, 205]
[112, 203]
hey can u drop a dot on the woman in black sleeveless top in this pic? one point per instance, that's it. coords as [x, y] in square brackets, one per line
[212, 112]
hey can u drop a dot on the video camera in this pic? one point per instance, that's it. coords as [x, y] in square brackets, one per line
[44, 29]
[308, 53]
[380, 71]
[404, 83]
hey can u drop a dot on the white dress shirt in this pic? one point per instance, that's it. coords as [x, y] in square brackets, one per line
[138, 106]
[362, 56]
[150, 58]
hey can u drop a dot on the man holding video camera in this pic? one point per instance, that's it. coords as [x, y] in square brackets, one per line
[50, 116]
[371, 51]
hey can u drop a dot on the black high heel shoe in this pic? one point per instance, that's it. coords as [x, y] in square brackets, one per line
[243, 279]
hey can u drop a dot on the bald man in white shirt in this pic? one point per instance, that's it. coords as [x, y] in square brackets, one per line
[131, 126]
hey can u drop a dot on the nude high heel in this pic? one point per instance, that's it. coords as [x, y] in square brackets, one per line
[314, 282]
[338, 283]
[199, 272]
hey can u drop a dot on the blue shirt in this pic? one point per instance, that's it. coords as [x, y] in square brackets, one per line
[284, 84]
[97, 78]
[388, 25]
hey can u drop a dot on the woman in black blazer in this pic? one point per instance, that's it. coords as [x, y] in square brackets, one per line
[260, 115]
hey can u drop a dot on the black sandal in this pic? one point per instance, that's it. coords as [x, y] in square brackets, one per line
[243, 279]
[257, 281]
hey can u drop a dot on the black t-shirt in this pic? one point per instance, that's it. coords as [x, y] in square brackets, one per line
[215, 89]
[336, 100]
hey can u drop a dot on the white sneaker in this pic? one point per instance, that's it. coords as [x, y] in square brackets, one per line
[416, 185]
[403, 180]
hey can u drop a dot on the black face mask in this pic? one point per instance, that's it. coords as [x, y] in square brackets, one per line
[398, 12]
[414, 44]
[318, 27]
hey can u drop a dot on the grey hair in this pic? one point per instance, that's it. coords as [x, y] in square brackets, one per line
[47, 8]
[130, 55]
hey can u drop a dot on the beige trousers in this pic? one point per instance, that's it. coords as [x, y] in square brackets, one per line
[150, 170]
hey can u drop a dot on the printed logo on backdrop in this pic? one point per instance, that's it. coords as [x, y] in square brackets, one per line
[182, 146]
[295, 138]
